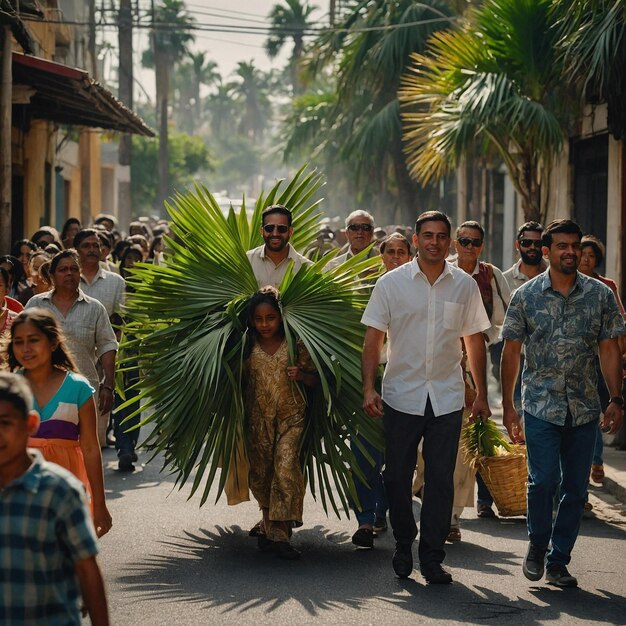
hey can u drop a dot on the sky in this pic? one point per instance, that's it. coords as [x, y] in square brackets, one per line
[226, 49]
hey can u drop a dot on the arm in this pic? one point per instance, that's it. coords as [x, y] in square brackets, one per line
[310, 379]
[92, 590]
[107, 361]
[611, 365]
[93, 464]
[372, 402]
[509, 369]
[477, 360]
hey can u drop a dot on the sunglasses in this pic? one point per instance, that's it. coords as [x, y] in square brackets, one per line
[527, 243]
[364, 227]
[270, 228]
[465, 241]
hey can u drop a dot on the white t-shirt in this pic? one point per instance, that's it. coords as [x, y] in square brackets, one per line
[424, 324]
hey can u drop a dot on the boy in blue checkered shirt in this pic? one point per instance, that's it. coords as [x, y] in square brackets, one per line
[48, 545]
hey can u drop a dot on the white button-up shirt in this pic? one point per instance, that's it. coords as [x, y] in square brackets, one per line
[266, 273]
[424, 324]
[107, 288]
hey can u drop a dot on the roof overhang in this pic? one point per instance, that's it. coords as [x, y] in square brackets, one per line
[67, 95]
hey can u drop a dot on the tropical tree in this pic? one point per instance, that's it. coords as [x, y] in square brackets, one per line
[222, 110]
[494, 83]
[250, 88]
[204, 72]
[593, 48]
[289, 21]
[366, 56]
[171, 37]
[192, 313]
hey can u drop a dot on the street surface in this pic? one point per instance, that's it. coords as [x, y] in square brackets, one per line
[168, 562]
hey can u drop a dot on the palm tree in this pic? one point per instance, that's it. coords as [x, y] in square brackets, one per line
[289, 21]
[222, 109]
[495, 83]
[367, 55]
[204, 73]
[171, 37]
[251, 90]
[593, 48]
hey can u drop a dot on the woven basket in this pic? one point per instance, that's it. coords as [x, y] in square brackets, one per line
[506, 477]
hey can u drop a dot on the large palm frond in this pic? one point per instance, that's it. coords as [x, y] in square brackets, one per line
[189, 327]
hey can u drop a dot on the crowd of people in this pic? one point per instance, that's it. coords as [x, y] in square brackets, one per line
[552, 326]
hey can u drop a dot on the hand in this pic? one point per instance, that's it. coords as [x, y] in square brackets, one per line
[105, 400]
[612, 419]
[480, 408]
[102, 520]
[294, 373]
[513, 425]
[372, 403]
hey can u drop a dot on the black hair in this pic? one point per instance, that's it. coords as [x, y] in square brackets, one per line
[83, 234]
[127, 252]
[15, 250]
[432, 216]
[266, 295]
[6, 279]
[119, 249]
[566, 226]
[276, 208]
[14, 389]
[155, 242]
[16, 274]
[473, 224]
[531, 227]
[68, 222]
[106, 238]
[589, 241]
[47, 230]
[64, 254]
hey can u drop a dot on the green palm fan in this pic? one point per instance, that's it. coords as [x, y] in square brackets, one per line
[188, 323]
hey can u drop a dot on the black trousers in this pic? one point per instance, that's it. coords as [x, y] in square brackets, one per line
[403, 433]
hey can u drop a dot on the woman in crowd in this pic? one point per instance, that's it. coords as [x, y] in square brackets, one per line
[68, 232]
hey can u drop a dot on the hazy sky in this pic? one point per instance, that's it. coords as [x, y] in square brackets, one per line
[226, 49]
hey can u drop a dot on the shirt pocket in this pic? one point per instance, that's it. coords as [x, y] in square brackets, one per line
[453, 315]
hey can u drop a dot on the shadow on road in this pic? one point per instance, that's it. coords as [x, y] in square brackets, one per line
[221, 568]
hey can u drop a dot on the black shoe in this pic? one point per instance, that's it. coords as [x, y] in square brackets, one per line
[284, 550]
[534, 563]
[402, 561]
[559, 576]
[485, 511]
[264, 544]
[435, 574]
[135, 458]
[363, 538]
[125, 462]
[380, 525]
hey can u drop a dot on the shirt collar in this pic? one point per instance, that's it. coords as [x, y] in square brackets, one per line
[99, 274]
[30, 479]
[517, 272]
[416, 269]
[547, 282]
[474, 271]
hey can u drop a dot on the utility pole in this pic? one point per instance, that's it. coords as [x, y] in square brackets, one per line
[125, 92]
[6, 93]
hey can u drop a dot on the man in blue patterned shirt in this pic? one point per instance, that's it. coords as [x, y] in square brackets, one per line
[563, 319]
[48, 543]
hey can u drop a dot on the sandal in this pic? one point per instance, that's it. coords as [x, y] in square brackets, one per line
[454, 535]
[597, 473]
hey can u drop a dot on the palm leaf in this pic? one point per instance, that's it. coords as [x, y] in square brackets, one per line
[188, 319]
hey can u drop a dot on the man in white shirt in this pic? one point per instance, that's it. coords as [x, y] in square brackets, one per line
[425, 307]
[271, 260]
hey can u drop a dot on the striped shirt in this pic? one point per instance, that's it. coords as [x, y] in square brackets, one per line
[45, 528]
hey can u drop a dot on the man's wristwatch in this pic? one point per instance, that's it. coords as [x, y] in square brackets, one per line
[619, 400]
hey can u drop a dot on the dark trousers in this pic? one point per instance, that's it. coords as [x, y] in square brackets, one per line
[403, 433]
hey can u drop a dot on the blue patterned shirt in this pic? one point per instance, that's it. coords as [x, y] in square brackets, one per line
[45, 528]
[560, 336]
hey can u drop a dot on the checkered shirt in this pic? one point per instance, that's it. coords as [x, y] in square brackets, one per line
[106, 287]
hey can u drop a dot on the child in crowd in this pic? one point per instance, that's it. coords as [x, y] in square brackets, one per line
[65, 400]
[275, 410]
[47, 542]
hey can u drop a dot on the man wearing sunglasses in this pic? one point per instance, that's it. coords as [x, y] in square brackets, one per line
[531, 263]
[271, 260]
[360, 232]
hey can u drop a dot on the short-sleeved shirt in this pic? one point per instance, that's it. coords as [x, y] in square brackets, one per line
[266, 273]
[560, 336]
[514, 276]
[59, 417]
[87, 329]
[424, 324]
[107, 288]
[45, 528]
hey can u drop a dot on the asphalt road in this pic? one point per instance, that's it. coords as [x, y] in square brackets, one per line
[168, 562]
